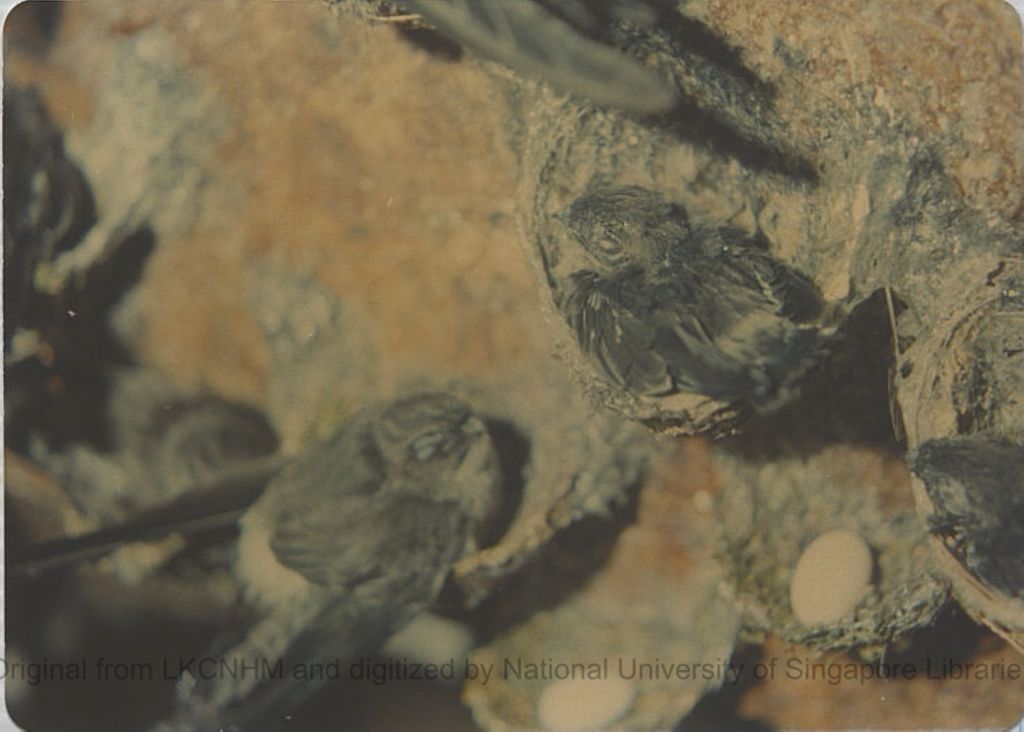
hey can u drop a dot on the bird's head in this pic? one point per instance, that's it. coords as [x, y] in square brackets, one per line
[435, 443]
[625, 226]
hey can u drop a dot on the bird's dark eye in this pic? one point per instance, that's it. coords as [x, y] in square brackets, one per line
[428, 445]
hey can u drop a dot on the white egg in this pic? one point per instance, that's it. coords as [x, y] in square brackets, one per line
[831, 577]
[584, 704]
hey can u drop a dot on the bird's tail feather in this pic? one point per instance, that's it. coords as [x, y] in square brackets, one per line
[211, 506]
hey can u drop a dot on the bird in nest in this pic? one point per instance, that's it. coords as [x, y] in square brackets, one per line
[667, 306]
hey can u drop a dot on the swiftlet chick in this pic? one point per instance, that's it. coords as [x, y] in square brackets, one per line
[668, 307]
[346, 546]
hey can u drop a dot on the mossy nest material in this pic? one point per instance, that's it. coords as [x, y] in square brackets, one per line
[769, 513]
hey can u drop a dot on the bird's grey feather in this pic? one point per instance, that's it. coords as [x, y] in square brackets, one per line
[530, 38]
[318, 544]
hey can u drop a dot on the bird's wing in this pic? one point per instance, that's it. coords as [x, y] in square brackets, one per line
[619, 342]
[746, 271]
[649, 336]
[762, 312]
[795, 297]
[206, 507]
[369, 539]
[529, 38]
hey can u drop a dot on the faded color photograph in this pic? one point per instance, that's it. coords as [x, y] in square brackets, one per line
[513, 365]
